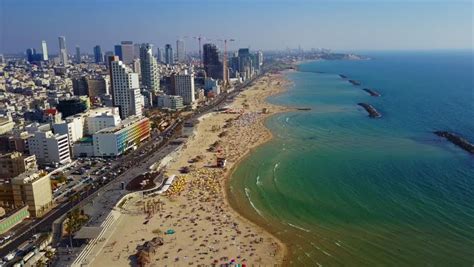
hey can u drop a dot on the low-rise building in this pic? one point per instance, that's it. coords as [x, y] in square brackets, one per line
[115, 141]
[6, 124]
[34, 190]
[15, 163]
[48, 147]
[170, 102]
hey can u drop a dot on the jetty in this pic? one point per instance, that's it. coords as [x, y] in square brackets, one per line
[372, 92]
[373, 113]
[457, 140]
[354, 82]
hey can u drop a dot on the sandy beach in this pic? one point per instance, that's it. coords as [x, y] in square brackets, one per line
[202, 228]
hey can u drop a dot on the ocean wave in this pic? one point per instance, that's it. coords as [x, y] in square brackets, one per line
[274, 175]
[320, 249]
[298, 227]
[247, 193]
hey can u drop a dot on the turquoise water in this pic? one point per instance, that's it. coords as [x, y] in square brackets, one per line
[343, 189]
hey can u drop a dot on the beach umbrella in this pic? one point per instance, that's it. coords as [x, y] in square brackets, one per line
[170, 232]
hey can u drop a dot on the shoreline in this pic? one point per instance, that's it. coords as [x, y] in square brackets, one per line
[197, 207]
[269, 136]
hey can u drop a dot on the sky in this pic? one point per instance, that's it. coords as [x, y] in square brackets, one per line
[348, 25]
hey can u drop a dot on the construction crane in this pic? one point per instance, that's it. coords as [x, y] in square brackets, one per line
[226, 69]
[199, 38]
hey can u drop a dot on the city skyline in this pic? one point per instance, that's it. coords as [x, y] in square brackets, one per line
[343, 26]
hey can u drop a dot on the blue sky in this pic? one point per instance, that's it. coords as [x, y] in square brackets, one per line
[259, 24]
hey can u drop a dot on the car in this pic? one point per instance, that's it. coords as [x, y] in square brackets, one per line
[10, 256]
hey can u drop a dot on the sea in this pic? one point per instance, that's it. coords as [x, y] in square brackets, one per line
[342, 189]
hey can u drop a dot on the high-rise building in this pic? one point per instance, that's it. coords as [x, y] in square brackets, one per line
[183, 85]
[78, 54]
[149, 68]
[245, 63]
[169, 57]
[212, 65]
[180, 51]
[118, 51]
[127, 51]
[63, 50]
[159, 55]
[136, 51]
[98, 56]
[44, 50]
[125, 89]
[259, 59]
[107, 56]
[30, 54]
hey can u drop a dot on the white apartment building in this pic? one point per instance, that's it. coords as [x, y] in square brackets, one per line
[101, 121]
[183, 84]
[125, 89]
[73, 126]
[49, 148]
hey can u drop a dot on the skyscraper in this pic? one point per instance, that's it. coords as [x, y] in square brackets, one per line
[44, 50]
[30, 54]
[127, 52]
[159, 55]
[125, 89]
[63, 50]
[180, 51]
[169, 57]
[245, 63]
[212, 65]
[98, 57]
[78, 54]
[149, 68]
[118, 51]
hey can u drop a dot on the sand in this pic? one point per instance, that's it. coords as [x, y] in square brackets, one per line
[206, 229]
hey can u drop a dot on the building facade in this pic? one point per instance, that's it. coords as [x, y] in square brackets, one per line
[63, 57]
[98, 56]
[170, 102]
[49, 148]
[44, 50]
[115, 141]
[180, 51]
[149, 68]
[212, 65]
[15, 163]
[169, 56]
[183, 85]
[34, 190]
[125, 89]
